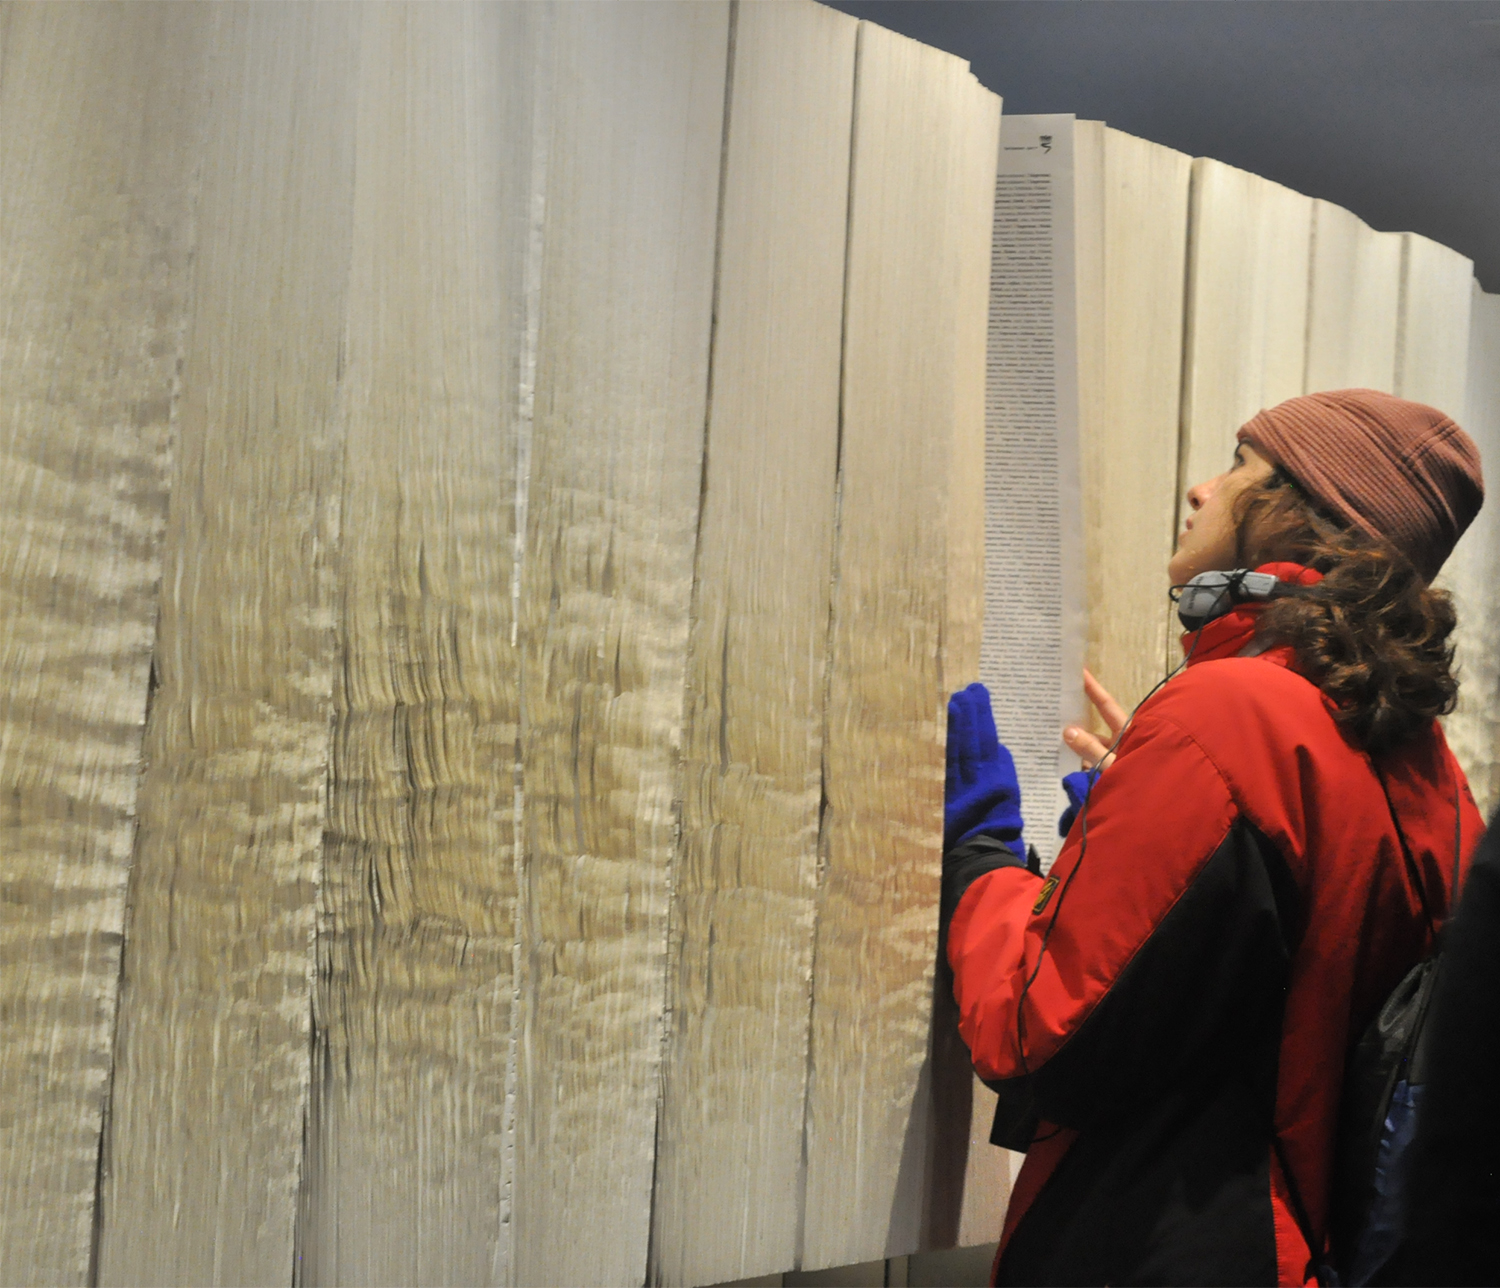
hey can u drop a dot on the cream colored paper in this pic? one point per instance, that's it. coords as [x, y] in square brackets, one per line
[99, 107]
[1035, 613]
[918, 117]
[1130, 451]
[406, 1145]
[986, 1176]
[213, 1053]
[1432, 366]
[1354, 302]
[1432, 345]
[1249, 244]
[615, 469]
[729, 1158]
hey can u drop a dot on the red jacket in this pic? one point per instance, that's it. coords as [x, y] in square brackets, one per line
[1241, 910]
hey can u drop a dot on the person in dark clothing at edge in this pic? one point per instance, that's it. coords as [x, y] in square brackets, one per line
[1166, 1017]
[1453, 1207]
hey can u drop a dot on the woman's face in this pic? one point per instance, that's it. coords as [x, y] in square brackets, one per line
[1209, 541]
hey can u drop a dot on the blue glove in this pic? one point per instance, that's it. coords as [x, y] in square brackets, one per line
[1077, 786]
[981, 796]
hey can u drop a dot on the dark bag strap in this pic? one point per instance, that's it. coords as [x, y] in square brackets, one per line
[1413, 871]
[1317, 1261]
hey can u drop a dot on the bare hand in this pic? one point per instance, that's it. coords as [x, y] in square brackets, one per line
[1090, 747]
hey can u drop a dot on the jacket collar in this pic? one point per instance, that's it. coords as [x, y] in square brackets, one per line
[1234, 633]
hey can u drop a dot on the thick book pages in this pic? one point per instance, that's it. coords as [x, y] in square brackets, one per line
[1245, 348]
[521, 812]
[1353, 306]
[212, 1065]
[612, 511]
[405, 1145]
[1432, 366]
[923, 155]
[1035, 614]
[1089, 255]
[1432, 343]
[961, 1153]
[96, 184]
[1481, 545]
[1130, 400]
[968, 1180]
[728, 1193]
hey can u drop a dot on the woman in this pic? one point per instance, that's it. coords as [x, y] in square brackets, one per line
[1166, 1017]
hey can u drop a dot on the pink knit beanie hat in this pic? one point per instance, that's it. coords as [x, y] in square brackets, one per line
[1400, 471]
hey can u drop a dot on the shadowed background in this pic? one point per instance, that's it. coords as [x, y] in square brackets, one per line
[1390, 109]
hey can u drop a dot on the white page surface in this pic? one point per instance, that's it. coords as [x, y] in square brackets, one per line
[1035, 620]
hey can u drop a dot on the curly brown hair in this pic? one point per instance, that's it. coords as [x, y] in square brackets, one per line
[1372, 635]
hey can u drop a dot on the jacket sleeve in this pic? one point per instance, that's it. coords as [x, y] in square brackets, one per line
[1155, 952]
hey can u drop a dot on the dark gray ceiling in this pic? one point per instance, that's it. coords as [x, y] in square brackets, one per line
[1390, 108]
